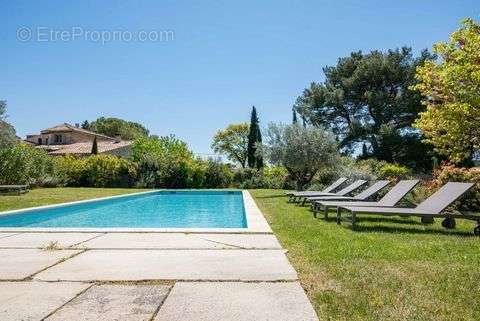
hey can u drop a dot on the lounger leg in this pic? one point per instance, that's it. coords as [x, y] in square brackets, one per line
[339, 215]
[353, 219]
[325, 212]
[476, 230]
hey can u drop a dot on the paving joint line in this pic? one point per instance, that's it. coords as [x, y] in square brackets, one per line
[6, 236]
[92, 238]
[155, 313]
[217, 242]
[73, 298]
[31, 276]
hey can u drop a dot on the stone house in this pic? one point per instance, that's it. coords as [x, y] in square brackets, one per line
[66, 139]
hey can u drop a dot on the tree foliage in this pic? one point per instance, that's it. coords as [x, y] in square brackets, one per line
[166, 162]
[254, 158]
[23, 164]
[7, 132]
[127, 130]
[233, 142]
[366, 98]
[303, 151]
[452, 94]
[94, 146]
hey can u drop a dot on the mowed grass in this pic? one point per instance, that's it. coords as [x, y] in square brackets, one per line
[47, 196]
[387, 269]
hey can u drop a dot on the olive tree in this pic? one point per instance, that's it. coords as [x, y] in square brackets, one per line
[303, 151]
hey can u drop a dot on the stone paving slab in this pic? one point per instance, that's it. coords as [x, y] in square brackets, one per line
[40, 240]
[114, 302]
[114, 265]
[151, 241]
[247, 241]
[222, 301]
[33, 301]
[17, 264]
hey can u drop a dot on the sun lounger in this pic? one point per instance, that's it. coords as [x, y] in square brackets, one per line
[390, 199]
[328, 189]
[345, 191]
[429, 208]
[372, 190]
[13, 189]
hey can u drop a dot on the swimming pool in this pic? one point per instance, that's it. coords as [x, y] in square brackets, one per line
[159, 209]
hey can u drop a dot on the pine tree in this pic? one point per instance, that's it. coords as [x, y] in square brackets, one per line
[294, 120]
[85, 125]
[94, 146]
[254, 137]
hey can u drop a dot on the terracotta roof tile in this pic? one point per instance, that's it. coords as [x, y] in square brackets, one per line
[84, 148]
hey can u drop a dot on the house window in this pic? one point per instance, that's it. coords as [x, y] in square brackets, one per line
[40, 141]
[58, 138]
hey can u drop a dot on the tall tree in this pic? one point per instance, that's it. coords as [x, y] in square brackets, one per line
[114, 126]
[94, 146]
[452, 95]
[85, 125]
[233, 142]
[366, 98]
[294, 118]
[303, 151]
[7, 132]
[254, 159]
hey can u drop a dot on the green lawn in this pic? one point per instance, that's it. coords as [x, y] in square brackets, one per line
[47, 196]
[387, 269]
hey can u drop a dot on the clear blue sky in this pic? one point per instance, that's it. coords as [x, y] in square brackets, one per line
[225, 57]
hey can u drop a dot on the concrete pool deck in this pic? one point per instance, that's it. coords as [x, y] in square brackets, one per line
[128, 275]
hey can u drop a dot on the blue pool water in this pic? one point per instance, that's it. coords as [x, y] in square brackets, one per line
[163, 209]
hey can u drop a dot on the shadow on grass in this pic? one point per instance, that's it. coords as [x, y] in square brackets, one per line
[407, 230]
[273, 196]
[332, 218]
[403, 229]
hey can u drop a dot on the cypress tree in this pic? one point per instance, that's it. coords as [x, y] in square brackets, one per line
[95, 146]
[294, 120]
[253, 138]
[259, 158]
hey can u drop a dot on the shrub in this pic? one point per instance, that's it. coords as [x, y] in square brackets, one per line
[70, 170]
[276, 177]
[96, 170]
[450, 173]
[23, 164]
[109, 171]
[268, 177]
[217, 174]
[393, 171]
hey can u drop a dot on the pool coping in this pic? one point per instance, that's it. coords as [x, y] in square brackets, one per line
[256, 222]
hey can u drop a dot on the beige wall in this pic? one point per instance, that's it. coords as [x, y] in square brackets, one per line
[67, 138]
[125, 152]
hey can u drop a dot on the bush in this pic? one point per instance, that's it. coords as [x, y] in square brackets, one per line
[70, 170]
[96, 171]
[23, 164]
[450, 173]
[217, 174]
[109, 171]
[268, 177]
[393, 171]
[276, 177]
